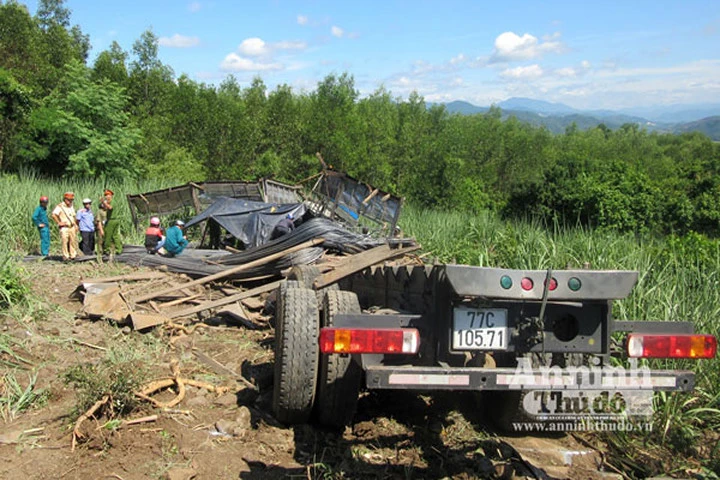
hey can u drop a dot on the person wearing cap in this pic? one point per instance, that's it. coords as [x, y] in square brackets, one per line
[86, 223]
[41, 221]
[283, 227]
[64, 217]
[154, 238]
[111, 241]
[175, 241]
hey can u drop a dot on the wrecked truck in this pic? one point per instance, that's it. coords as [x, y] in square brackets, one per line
[505, 333]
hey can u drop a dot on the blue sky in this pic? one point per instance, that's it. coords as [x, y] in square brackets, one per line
[611, 54]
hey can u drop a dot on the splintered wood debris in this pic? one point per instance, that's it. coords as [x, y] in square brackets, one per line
[144, 300]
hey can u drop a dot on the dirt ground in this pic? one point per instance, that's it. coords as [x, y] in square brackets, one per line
[234, 435]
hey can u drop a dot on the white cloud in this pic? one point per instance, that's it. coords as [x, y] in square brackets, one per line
[257, 47]
[459, 59]
[688, 70]
[255, 55]
[302, 19]
[179, 41]
[585, 64]
[566, 72]
[253, 47]
[235, 63]
[528, 72]
[456, 82]
[337, 31]
[510, 46]
[194, 7]
[289, 45]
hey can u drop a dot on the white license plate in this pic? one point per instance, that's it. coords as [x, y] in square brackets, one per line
[480, 329]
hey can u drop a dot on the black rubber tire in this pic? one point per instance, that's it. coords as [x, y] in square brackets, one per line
[340, 376]
[304, 274]
[279, 295]
[296, 355]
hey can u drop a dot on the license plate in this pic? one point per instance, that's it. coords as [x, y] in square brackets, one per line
[480, 329]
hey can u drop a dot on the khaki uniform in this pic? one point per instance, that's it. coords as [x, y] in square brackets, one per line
[68, 230]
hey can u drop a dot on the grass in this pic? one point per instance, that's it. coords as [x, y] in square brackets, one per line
[16, 398]
[19, 196]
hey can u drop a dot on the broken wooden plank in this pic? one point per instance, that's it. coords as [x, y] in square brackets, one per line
[180, 300]
[154, 306]
[231, 271]
[229, 290]
[240, 315]
[130, 277]
[253, 303]
[227, 300]
[141, 321]
[360, 261]
[221, 369]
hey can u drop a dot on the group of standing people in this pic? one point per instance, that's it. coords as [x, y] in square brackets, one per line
[99, 231]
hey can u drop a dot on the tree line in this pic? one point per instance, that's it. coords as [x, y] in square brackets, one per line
[127, 115]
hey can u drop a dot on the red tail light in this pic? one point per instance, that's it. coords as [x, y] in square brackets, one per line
[671, 346]
[369, 340]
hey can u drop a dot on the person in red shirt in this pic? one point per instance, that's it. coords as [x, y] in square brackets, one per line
[154, 238]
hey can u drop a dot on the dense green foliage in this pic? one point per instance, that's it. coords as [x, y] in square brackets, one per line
[128, 116]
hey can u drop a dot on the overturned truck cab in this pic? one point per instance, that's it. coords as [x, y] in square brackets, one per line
[541, 345]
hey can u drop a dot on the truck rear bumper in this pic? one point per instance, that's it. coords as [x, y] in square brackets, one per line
[580, 378]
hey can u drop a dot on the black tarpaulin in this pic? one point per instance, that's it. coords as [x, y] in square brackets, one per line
[250, 222]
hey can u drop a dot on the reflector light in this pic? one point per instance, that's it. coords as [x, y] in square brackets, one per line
[505, 282]
[574, 284]
[671, 346]
[526, 283]
[553, 284]
[369, 340]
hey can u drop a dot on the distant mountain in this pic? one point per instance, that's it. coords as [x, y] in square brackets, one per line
[556, 117]
[537, 106]
[710, 126]
[678, 113]
[464, 108]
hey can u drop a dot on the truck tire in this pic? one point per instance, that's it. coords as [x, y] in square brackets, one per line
[279, 295]
[340, 376]
[306, 275]
[296, 355]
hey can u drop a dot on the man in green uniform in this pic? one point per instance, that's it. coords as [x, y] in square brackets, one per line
[111, 241]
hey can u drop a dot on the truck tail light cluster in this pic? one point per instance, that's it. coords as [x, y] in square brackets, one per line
[671, 346]
[369, 340]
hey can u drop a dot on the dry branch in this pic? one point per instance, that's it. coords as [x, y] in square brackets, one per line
[77, 434]
[176, 379]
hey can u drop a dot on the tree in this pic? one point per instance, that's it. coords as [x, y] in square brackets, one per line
[52, 12]
[379, 121]
[334, 126]
[85, 129]
[19, 43]
[111, 65]
[58, 44]
[14, 107]
[149, 78]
